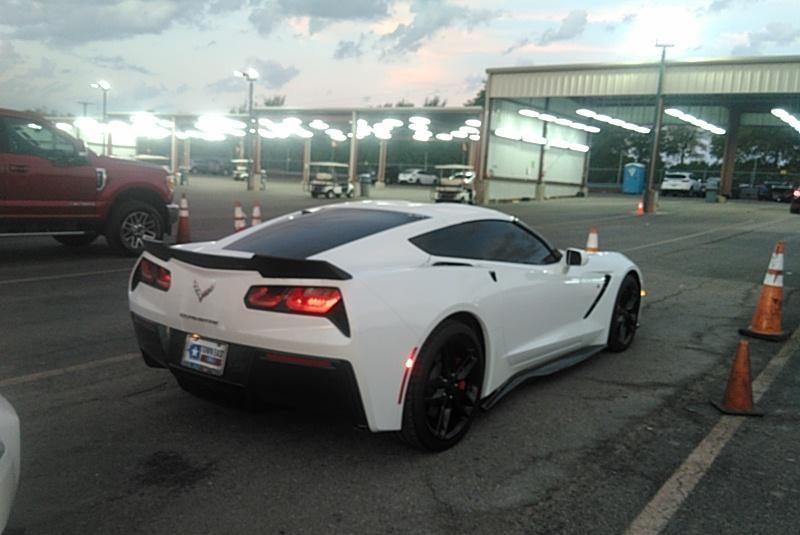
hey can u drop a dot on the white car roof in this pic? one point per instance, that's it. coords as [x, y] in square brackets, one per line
[444, 213]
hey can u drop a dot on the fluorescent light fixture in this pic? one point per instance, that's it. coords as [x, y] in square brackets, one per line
[444, 137]
[536, 140]
[66, 127]
[422, 136]
[470, 130]
[303, 133]
[473, 122]
[34, 126]
[419, 120]
[691, 119]
[180, 134]
[561, 121]
[507, 133]
[318, 124]
[614, 121]
[383, 134]
[393, 123]
[787, 118]
[292, 121]
[418, 127]
[459, 134]
[474, 137]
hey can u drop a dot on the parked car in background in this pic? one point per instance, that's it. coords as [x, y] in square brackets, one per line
[711, 183]
[680, 183]
[417, 176]
[775, 191]
[9, 459]
[50, 184]
[211, 166]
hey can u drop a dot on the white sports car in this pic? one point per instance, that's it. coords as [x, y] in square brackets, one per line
[411, 316]
[9, 459]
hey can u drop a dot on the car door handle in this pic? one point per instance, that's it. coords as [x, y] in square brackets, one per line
[17, 168]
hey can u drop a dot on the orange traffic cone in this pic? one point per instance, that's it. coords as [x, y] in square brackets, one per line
[256, 217]
[239, 221]
[766, 322]
[591, 242]
[182, 235]
[739, 392]
[640, 208]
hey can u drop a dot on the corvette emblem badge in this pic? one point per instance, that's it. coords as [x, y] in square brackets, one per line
[200, 293]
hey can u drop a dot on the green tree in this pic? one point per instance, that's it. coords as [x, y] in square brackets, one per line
[479, 98]
[435, 102]
[274, 101]
[682, 142]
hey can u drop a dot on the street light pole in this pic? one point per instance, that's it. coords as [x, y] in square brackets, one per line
[649, 198]
[250, 76]
[104, 86]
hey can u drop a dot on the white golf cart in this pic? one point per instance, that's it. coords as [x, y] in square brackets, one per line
[330, 179]
[241, 168]
[456, 183]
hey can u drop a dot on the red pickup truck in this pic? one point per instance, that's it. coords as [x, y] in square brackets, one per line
[50, 184]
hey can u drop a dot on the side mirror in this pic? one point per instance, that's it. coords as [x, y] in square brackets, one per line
[573, 257]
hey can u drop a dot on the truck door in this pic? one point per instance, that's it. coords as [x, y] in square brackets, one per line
[44, 174]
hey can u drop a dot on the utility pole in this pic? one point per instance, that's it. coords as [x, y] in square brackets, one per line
[250, 76]
[104, 86]
[649, 197]
[85, 104]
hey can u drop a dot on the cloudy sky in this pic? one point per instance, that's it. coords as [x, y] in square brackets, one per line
[178, 55]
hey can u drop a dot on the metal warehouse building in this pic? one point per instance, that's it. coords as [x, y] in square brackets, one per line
[540, 123]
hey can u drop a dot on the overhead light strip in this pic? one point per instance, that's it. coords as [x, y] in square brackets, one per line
[787, 118]
[691, 119]
[550, 118]
[603, 118]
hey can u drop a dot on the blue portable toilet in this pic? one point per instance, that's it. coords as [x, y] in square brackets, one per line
[633, 178]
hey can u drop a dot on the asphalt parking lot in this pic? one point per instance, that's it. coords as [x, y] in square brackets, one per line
[111, 446]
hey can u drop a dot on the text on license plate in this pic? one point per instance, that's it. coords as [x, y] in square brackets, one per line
[204, 355]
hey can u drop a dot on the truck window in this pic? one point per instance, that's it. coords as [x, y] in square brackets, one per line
[34, 139]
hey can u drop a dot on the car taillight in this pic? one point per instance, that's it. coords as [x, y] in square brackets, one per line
[317, 301]
[796, 193]
[153, 275]
[313, 300]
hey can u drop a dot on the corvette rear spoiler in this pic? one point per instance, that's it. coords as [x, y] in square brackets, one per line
[267, 266]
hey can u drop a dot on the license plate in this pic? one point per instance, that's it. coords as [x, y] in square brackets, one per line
[204, 355]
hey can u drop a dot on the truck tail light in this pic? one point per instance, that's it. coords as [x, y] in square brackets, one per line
[305, 300]
[153, 275]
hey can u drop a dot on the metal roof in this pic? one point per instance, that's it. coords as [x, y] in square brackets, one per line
[731, 76]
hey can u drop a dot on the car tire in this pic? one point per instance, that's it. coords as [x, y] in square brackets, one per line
[625, 315]
[330, 194]
[77, 241]
[131, 222]
[446, 379]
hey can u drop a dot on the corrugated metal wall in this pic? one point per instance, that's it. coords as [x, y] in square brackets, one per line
[680, 79]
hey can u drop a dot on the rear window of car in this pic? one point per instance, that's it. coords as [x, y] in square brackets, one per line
[678, 176]
[309, 233]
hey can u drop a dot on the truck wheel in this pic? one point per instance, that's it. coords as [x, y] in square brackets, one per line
[77, 241]
[132, 222]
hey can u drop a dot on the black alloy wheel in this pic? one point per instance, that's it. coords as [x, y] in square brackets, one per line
[444, 388]
[132, 223]
[625, 317]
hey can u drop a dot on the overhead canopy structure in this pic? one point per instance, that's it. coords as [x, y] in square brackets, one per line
[540, 122]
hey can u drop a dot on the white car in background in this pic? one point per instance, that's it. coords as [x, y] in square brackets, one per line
[9, 459]
[417, 176]
[680, 183]
[410, 316]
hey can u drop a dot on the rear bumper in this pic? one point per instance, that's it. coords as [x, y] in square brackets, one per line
[255, 373]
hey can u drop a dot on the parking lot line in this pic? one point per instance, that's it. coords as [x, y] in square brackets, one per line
[67, 276]
[703, 233]
[667, 501]
[48, 374]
